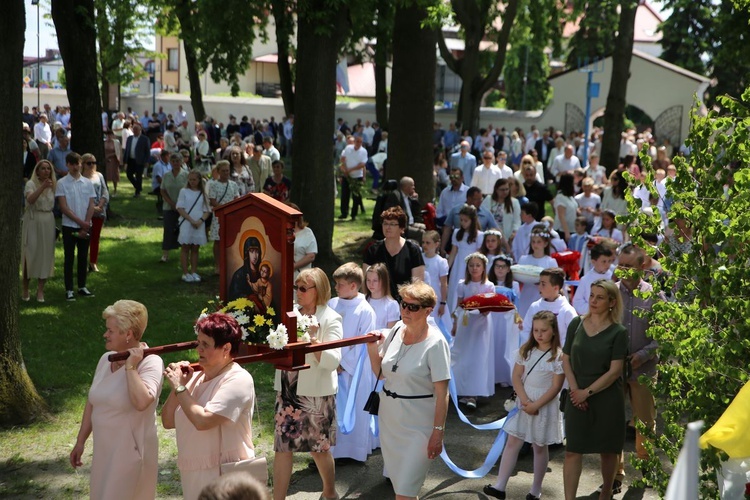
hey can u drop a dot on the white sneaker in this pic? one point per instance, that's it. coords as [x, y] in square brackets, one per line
[187, 278]
[196, 278]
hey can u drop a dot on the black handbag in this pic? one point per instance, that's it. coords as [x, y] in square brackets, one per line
[373, 401]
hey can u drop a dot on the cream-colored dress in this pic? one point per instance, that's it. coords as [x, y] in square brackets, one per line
[38, 234]
[126, 459]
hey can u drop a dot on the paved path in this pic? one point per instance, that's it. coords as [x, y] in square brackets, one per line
[467, 448]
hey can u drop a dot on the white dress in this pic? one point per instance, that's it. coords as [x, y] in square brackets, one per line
[530, 293]
[357, 318]
[437, 267]
[386, 311]
[546, 427]
[472, 359]
[406, 424]
[190, 235]
[223, 193]
[505, 337]
[458, 270]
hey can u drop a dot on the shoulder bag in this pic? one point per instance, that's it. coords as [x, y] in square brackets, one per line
[510, 403]
[177, 228]
[373, 401]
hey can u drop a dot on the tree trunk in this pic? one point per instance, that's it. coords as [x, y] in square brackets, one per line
[315, 107]
[380, 66]
[19, 401]
[188, 35]
[76, 36]
[618, 86]
[284, 31]
[413, 100]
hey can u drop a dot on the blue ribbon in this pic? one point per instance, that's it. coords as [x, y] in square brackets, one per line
[347, 396]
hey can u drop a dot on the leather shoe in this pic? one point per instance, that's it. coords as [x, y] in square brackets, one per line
[493, 492]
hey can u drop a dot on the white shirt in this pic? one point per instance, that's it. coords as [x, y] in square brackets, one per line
[272, 153]
[506, 171]
[560, 307]
[43, 133]
[581, 297]
[354, 157]
[179, 116]
[368, 134]
[78, 194]
[484, 178]
[561, 164]
[592, 201]
[450, 198]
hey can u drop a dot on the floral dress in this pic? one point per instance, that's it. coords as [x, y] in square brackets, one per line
[222, 193]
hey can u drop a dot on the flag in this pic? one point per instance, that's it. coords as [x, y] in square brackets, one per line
[683, 485]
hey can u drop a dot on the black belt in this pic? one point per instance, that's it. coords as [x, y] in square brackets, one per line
[398, 396]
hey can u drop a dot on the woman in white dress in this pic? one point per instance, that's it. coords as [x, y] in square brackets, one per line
[539, 255]
[466, 240]
[203, 154]
[504, 208]
[220, 191]
[472, 332]
[193, 208]
[38, 233]
[414, 361]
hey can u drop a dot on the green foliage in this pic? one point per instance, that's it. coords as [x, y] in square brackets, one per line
[702, 332]
[710, 37]
[526, 72]
[495, 100]
[62, 80]
[594, 38]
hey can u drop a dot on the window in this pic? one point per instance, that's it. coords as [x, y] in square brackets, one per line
[173, 60]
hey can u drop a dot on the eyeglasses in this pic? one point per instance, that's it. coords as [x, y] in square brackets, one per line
[390, 224]
[454, 176]
[303, 288]
[90, 163]
[411, 307]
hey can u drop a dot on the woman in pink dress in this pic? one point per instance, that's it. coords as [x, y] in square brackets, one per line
[121, 411]
[212, 410]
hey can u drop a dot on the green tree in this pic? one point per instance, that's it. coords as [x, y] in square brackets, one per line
[283, 15]
[19, 401]
[618, 86]
[686, 33]
[75, 24]
[702, 332]
[121, 27]
[594, 38]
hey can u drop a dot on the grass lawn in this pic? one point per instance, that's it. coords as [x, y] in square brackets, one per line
[62, 342]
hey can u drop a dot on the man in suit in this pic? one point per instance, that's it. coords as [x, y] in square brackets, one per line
[136, 156]
[405, 197]
[543, 146]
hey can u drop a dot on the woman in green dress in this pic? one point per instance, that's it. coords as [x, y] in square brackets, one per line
[593, 358]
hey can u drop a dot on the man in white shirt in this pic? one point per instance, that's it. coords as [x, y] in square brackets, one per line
[486, 174]
[353, 162]
[270, 150]
[43, 135]
[565, 162]
[180, 115]
[589, 203]
[75, 195]
[367, 135]
[502, 158]
[627, 146]
[117, 125]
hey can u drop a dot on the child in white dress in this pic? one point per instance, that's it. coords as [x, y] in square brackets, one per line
[539, 255]
[436, 267]
[472, 359]
[193, 208]
[467, 239]
[504, 324]
[537, 379]
[378, 294]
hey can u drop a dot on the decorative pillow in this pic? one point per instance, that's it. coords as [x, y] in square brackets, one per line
[491, 302]
[525, 273]
[569, 261]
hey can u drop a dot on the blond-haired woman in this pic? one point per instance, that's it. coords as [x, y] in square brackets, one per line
[121, 410]
[298, 429]
[593, 358]
[38, 234]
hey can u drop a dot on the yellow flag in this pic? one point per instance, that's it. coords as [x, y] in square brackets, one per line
[731, 433]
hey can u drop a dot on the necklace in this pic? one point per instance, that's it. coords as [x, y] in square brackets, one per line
[399, 356]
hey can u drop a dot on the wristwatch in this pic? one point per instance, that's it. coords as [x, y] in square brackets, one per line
[591, 392]
[442, 303]
[440, 428]
[180, 389]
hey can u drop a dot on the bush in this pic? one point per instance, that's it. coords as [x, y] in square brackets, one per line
[702, 330]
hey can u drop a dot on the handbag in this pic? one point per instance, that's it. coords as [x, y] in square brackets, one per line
[510, 403]
[563, 399]
[373, 401]
[177, 228]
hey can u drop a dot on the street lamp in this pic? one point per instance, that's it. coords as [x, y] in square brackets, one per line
[38, 57]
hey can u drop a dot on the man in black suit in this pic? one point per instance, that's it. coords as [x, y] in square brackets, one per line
[136, 155]
[543, 146]
[406, 197]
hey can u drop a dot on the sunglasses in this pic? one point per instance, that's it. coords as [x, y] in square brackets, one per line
[411, 307]
[455, 176]
[303, 288]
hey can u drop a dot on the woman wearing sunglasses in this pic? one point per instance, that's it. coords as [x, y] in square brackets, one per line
[306, 399]
[415, 363]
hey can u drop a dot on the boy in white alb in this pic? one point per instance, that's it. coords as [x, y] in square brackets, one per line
[358, 318]
[437, 268]
[522, 239]
[602, 257]
[551, 281]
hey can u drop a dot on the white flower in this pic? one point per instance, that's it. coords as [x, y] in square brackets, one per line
[278, 338]
[195, 326]
[305, 337]
[242, 318]
[244, 333]
[304, 323]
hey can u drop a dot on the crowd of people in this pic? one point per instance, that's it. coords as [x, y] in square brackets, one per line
[491, 214]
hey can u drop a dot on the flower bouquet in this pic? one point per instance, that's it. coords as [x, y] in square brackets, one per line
[255, 325]
[278, 338]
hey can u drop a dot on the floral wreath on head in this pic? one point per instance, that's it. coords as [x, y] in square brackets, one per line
[476, 255]
[542, 234]
[505, 258]
[493, 232]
